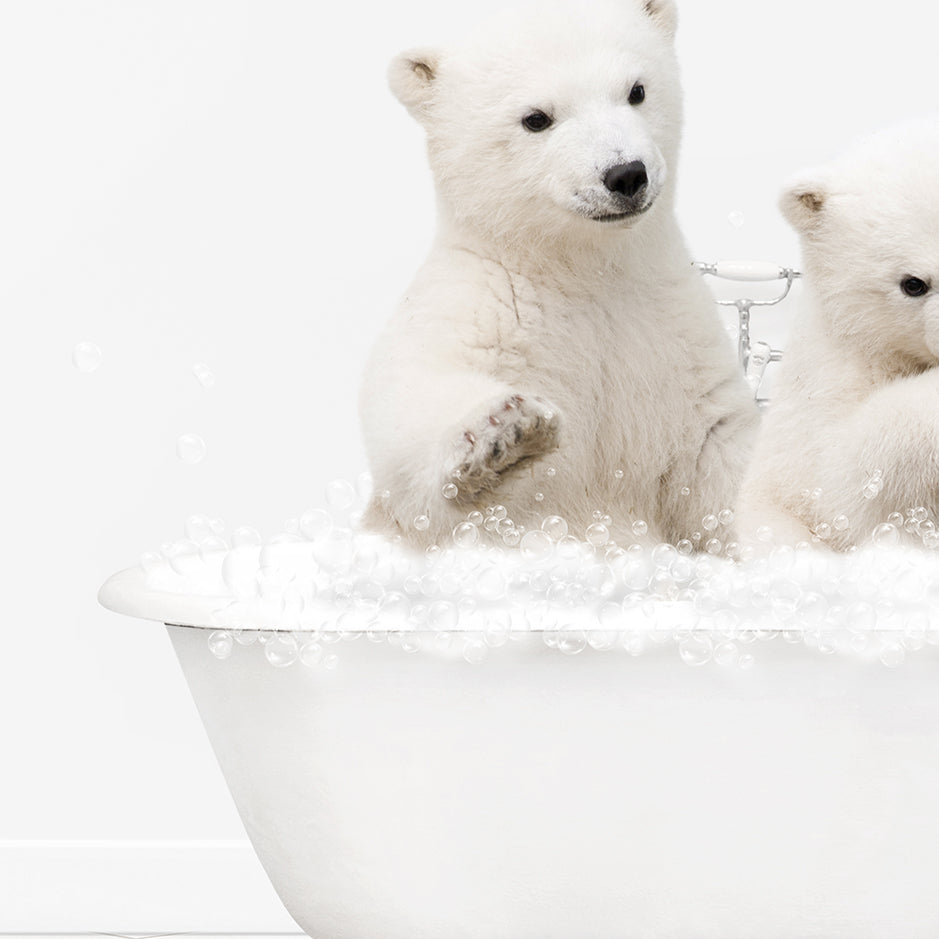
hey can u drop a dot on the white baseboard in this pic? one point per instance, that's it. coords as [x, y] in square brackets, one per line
[134, 886]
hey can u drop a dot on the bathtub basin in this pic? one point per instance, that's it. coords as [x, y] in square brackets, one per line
[592, 796]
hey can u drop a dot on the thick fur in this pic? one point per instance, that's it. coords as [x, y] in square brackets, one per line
[536, 337]
[859, 386]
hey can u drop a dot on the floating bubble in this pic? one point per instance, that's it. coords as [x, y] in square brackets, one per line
[246, 537]
[840, 523]
[204, 375]
[885, 535]
[725, 516]
[823, 531]
[151, 561]
[726, 654]
[663, 555]
[709, 522]
[554, 527]
[892, 654]
[310, 653]
[536, 545]
[475, 650]
[450, 491]
[281, 650]
[465, 535]
[550, 472]
[539, 497]
[422, 523]
[443, 616]
[684, 491]
[695, 650]
[340, 494]
[221, 644]
[640, 528]
[598, 534]
[920, 513]
[86, 357]
[571, 641]
[190, 448]
[315, 524]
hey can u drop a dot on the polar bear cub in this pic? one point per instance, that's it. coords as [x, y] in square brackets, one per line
[852, 434]
[556, 354]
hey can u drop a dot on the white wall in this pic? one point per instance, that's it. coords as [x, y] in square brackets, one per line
[230, 182]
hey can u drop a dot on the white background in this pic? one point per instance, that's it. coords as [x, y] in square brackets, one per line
[231, 183]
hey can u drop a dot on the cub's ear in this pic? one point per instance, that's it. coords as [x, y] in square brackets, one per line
[803, 203]
[663, 13]
[412, 76]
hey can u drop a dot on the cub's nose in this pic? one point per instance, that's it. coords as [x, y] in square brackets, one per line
[628, 179]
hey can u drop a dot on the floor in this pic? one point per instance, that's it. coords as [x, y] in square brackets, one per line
[151, 935]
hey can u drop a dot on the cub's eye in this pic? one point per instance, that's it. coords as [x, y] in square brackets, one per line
[638, 94]
[536, 122]
[914, 287]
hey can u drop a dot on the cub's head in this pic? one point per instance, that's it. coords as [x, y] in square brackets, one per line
[869, 224]
[551, 120]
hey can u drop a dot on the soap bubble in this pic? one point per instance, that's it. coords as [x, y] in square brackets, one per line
[190, 448]
[571, 641]
[204, 375]
[86, 356]
[536, 545]
[885, 535]
[695, 650]
[450, 491]
[598, 534]
[443, 616]
[840, 523]
[709, 522]
[726, 654]
[221, 644]
[475, 650]
[465, 535]
[892, 654]
[315, 524]
[421, 522]
[340, 494]
[640, 528]
[555, 527]
[281, 650]
[310, 653]
[246, 537]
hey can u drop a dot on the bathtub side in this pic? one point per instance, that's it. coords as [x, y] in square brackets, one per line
[536, 795]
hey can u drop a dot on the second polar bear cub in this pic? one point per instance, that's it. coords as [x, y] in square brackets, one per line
[557, 352]
[852, 435]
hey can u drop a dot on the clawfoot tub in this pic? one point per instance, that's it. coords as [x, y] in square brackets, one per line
[429, 784]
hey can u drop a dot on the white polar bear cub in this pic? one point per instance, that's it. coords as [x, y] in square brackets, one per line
[557, 352]
[852, 434]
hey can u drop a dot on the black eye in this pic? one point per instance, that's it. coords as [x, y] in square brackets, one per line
[914, 287]
[536, 122]
[638, 93]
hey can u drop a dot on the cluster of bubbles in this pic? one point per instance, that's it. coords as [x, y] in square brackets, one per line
[321, 582]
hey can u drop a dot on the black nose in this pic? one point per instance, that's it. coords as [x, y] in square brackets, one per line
[628, 179]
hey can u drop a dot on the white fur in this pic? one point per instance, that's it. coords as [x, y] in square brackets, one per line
[859, 387]
[602, 329]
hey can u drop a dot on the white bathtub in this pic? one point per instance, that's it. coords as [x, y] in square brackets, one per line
[595, 796]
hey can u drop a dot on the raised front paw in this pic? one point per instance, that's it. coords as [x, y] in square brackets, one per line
[510, 430]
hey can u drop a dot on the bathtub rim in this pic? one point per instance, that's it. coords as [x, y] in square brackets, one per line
[128, 594]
